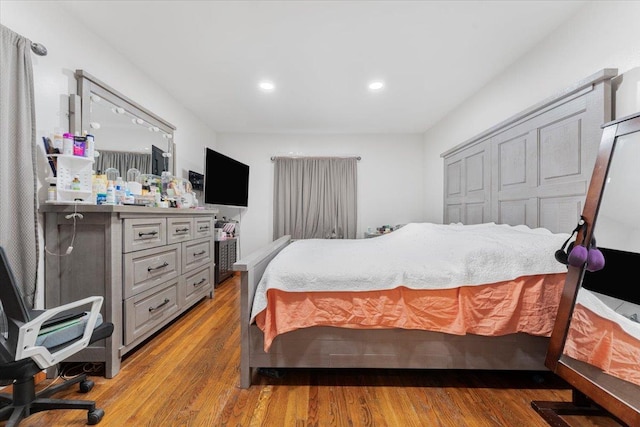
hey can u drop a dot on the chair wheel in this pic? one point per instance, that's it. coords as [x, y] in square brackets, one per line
[86, 386]
[95, 416]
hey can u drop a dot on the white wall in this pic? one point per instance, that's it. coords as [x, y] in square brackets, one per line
[71, 45]
[603, 35]
[391, 181]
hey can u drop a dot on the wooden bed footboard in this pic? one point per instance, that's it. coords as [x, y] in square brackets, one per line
[251, 269]
[328, 347]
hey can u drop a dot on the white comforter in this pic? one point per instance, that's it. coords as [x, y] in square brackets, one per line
[418, 256]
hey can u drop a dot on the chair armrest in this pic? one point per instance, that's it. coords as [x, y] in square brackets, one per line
[29, 332]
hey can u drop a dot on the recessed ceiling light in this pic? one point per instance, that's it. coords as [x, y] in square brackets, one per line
[267, 86]
[376, 85]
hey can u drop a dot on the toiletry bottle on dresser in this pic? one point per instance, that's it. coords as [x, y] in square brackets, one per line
[67, 144]
[120, 191]
[51, 193]
[111, 195]
[75, 184]
[89, 147]
[58, 142]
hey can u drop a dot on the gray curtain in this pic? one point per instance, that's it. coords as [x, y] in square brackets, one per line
[315, 197]
[123, 161]
[18, 203]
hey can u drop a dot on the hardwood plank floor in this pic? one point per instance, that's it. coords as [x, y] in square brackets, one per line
[187, 375]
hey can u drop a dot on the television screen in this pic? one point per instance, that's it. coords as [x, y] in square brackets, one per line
[157, 161]
[226, 181]
[197, 180]
[603, 281]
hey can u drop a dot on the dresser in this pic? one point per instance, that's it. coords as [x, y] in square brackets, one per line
[150, 265]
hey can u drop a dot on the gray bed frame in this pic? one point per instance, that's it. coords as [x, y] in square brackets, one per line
[328, 347]
[571, 119]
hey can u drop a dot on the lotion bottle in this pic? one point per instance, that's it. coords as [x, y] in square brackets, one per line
[111, 195]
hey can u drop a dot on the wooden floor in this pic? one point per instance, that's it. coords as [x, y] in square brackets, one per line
[188, 376]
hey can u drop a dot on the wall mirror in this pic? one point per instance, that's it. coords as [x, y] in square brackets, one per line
[595, 344]
[126, 134]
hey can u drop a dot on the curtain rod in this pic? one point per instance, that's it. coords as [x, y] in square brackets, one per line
[327, 157]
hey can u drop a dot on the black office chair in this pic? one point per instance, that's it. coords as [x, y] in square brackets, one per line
[34, 340]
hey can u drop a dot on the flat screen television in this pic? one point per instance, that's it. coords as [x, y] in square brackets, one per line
[226, 180]
[157, 161]
[603, 281]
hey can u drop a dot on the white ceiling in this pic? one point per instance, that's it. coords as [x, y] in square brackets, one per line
[432, 55]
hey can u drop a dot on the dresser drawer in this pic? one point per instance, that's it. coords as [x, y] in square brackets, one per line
[203, 227]
[144, 312]
[144, 233]
[197, 253]
[145, 269]
[197, 284]
[179, 229]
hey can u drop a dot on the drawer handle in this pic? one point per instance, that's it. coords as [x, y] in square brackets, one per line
[199, 253]
[162, 304]
[204, 227]
[164, 264]
[200, 282]
[182, 230]
[150, 233]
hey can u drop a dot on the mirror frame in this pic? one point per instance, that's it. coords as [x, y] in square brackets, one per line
[80, 105]
[614, 395]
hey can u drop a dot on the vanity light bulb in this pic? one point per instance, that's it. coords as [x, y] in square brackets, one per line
[94, 125]
[154, 129]
[137, 121]
[119, 110]
[96, 98]
[376, 85]
[267, 86]
[167, 136]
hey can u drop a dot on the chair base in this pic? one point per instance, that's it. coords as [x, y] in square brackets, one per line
[25, 401]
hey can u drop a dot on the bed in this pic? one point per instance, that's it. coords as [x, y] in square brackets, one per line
[428, 296]
[533, 169]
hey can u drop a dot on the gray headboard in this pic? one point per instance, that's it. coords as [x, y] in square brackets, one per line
[533, 168]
